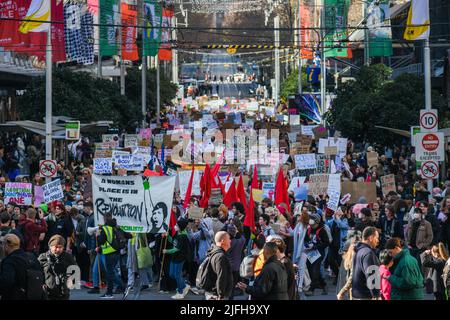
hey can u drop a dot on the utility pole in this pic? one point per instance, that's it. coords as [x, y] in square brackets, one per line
[427, 76]
[144, 70]
[300, 62]
[158, 97]
[174, 52]
[99, 57]
[276, 22]
[366, 35]
[323, 62]
[48, 97]
[122, 67]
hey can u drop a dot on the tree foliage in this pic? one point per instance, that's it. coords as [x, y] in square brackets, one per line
[290, 85]
[374, 99]
[86, 98]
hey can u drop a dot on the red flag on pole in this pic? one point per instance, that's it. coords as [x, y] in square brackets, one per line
[205, 186]
[241, 192]
[172, 223]
[255, 178]
[249, 220]
[187, 197]
[281, 190]
[231, 195]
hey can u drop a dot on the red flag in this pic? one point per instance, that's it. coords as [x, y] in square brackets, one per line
[231, 195]
[150, 173]
[205, 186]
[165, 51]
[172, 223]
[187, 197]
[215, 181]
[249, 220]
[281, 190]
[129, 32]
[241, 192]
[255, 178]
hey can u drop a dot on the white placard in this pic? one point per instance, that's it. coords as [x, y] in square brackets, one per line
[295, 183]
[103, 165]
[334, 191]
[52, 191]
[183, 180]
[305, 161]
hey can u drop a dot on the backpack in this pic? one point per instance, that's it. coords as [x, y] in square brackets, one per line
[205, 278]
[34, 279]
[119, 241]
[246, 269]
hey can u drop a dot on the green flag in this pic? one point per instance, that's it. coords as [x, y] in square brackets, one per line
[336, 13]
[379, 25]
[109, 17]
[152, 32]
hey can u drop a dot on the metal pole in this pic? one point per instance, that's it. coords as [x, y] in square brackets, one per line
[427, 75]
[277, 59]
[175, 53]
[99, 62]
[366, 37]
[48, 98]
[158, 98]
[122, 67]
[323, 63]
[300, 62]
[144, 72]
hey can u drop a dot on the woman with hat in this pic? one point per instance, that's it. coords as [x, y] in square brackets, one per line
[55, 263]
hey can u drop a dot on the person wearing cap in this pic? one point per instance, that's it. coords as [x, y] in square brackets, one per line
[13, 271]
[316, 241]
[181, 252]
[55, 263]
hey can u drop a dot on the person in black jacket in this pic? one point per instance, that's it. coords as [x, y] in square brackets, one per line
[288, 267]
[316, 241]
[181, 253]
[390, 226]
[13, 269]
[55, 263]
[221, 268]
[365, 266]
[272, 282]
[436, 259]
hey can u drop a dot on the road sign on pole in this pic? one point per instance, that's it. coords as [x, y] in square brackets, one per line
[430, 147]
[47, 168]
[428, 120]
[429, 170]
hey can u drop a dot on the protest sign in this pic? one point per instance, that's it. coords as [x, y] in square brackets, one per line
[308, 130]
[38, 195]
[331, 151]
[195, 213]
[318, 184]
[216, 197]
[372, 159]
[322, 164]
[145, 133]
[52, 191]
[295, 183]
[334, 191]
[301, 193]
[304, 140]
[129, 162]
[368, 190]
[183, 182]
[268, 189]
[102, 165]
[305, 161]
[18, 192]
[322, 144]
[320, 132]
[111, 139]
[388, 184]
[131, 140]
[257, 195]
[138, 204]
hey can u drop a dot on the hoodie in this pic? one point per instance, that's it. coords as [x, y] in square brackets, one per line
[365, 267]
[221, 267]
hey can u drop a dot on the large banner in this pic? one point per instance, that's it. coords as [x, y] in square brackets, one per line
[109, 19]
[379, 25]
[129, 32]
[139, 204]
[336, 13]
[152, 34]
[165, 51]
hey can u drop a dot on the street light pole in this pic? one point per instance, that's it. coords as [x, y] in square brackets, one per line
[300, 62]
[144, 71]
[323, 63]
[48, 98]
[277, 58]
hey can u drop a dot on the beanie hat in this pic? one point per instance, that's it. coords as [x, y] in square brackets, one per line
[44, 207]
[56, 240]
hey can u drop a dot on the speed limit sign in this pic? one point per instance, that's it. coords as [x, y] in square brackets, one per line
[428, 120]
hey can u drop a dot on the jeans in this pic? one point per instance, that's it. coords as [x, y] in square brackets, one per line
[111, 262]
[95, 273]
[176, 269]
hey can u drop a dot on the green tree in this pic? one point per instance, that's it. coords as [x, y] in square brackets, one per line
[289, 86]
[374, 99]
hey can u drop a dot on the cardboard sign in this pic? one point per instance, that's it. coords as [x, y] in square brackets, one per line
[388, 184]
[131, 140]
[372, 159]
[216, 197]
[304, 140]
[18, 192]
[195, 213]
[368, 190]
[268, 189]
[322, 164]
[52, 191]
[320, 132]
[111, 139]
[103, 165]
[318, 184]
[308, 130]
[331, 151]
[305, 161]
[257, 195]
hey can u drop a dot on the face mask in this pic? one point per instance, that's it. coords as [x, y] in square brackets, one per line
[80, 207]
[416, 216]
[78, 197]
[311, 222]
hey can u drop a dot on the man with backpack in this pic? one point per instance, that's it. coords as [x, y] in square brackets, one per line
[55, 263]
[215, 275]
[111, 240]
[21, 276]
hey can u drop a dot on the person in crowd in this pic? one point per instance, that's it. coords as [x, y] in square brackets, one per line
[217, 224]
[444, 221]
[406, 277]
[339, 228]
[435, 259]
[364, 220]
[33, 230]
[387, 262]
[344, 284]
[271, 284]
[419, 234]
[389, 226]
[235, 252]
[87, 243]
[221, 268]
[288, 267]
[264, 223]
[430, 216]
[55, 263]
[299, 256]
[365, 265]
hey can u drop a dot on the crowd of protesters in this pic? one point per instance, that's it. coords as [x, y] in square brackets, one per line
[402, 239]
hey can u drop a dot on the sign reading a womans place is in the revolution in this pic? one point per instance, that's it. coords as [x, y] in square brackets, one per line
[139, 204]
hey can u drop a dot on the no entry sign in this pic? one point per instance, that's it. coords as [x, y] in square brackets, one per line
[430, 147]
[428, 120]
[429, 170]
[47, 168]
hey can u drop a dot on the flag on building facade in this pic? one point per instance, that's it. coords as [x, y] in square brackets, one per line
[336, 14]
[418, 23]
[165, 51]
[129, 32]
[379, 25]
[109, 19]
[152, 33]
[37, 18]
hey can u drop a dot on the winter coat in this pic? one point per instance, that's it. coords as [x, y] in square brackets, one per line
[31, 232]
[235, 252]
[365, 264]
[339, 229]
[406, 279]
[437, 270]
[435, 226]
[317, 239]
[89, 240]
[290, 272]
[204, 236]
[272, 283]
[385, 284]
[424, 235]
[55, 271]
[389, 229]
[181, 250]
[221, 267]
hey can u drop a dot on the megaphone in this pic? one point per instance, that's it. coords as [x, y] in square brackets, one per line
[91, 230]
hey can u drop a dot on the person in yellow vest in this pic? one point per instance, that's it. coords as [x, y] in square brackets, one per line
[108, 243]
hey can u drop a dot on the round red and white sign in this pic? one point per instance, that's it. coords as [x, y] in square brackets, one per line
[428, 120]
[430, 142]
[429, 170]
[47, 168]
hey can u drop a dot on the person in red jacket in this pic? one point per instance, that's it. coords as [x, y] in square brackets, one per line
[32, 230]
